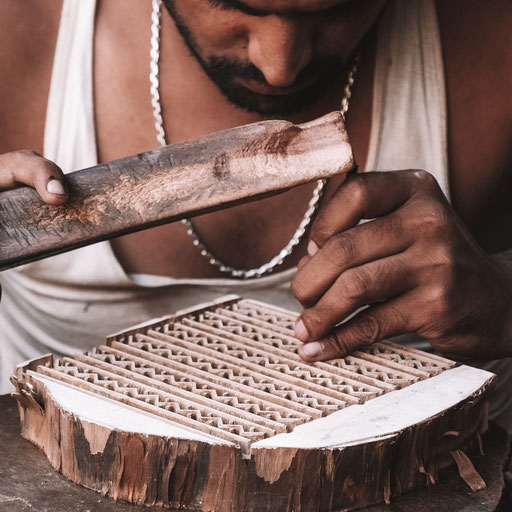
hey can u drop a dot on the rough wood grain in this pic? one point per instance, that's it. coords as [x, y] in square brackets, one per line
[191, 475]
[23, 468]
[170, 183]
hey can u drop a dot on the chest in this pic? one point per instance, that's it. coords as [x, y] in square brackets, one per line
[250, 235]
[243, 237]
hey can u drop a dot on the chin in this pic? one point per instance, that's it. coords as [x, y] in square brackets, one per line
[281, 105]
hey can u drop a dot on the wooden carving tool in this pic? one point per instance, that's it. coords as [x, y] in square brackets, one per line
[170, 183]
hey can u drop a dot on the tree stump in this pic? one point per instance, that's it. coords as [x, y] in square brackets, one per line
[211, 409]
[171, 183]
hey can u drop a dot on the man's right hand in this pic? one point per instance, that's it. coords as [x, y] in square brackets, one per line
[26, 167]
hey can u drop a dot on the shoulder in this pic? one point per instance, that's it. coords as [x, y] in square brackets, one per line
[477, 50]
[27, 28]
[477, 42]
[28, 32]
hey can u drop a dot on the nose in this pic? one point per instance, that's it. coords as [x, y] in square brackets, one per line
[280, 49]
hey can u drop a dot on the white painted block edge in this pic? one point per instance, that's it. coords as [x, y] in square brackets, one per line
[116, 416]
[380, 418]
[385, 416]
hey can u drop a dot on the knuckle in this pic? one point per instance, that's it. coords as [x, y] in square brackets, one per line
[301, 290]
[358, 189]
[396, 223]
[439, 298]
[434, 219]
[50, 167]
[27, 153]
[446, 260]
[341, 249]
[339, 342]
[367, 329]
[36, 164]
[425, 179]
[357, 283]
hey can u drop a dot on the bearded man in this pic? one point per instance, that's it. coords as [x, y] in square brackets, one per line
[427, 87]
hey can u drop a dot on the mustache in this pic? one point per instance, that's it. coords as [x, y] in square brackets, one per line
[228, 68]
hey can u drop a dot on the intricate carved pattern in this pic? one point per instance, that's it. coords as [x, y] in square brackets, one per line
[410, 358]
[229, 373]
[231, 370]
[350, 367]
[213, 394]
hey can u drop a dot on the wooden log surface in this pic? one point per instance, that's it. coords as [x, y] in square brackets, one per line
[188, 474]
[23, 468]
[170, 183]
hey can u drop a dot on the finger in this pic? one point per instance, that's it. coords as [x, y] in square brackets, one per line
[367, 196]
[374, 324]
[30, 168]
[377, 281]
[367, 242]
[303, 262]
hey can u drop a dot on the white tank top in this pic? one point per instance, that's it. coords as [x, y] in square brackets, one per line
[70, 302]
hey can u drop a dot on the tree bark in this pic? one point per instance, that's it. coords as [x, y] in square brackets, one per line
[198, 476]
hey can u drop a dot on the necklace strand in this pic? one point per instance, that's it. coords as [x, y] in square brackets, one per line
[160, 135]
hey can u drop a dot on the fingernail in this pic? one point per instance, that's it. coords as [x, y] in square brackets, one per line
[312, 248]
[56, 187]
[300, 331]
[311, 350]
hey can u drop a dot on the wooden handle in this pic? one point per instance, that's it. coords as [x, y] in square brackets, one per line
[170, 183]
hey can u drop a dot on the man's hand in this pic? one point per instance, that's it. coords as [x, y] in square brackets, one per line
[26, 167]
[30, 168]
[415, 265]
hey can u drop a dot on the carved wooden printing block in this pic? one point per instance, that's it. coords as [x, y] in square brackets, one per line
[212, 409]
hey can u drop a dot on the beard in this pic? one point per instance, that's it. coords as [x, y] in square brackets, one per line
[224, 72]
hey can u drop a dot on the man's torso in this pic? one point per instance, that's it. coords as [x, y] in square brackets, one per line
[476, 50]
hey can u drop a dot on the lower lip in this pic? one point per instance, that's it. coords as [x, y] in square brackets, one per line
[268, 90]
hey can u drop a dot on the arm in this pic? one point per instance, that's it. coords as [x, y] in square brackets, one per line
[28, 31]
[418, 264]
[30, 168]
